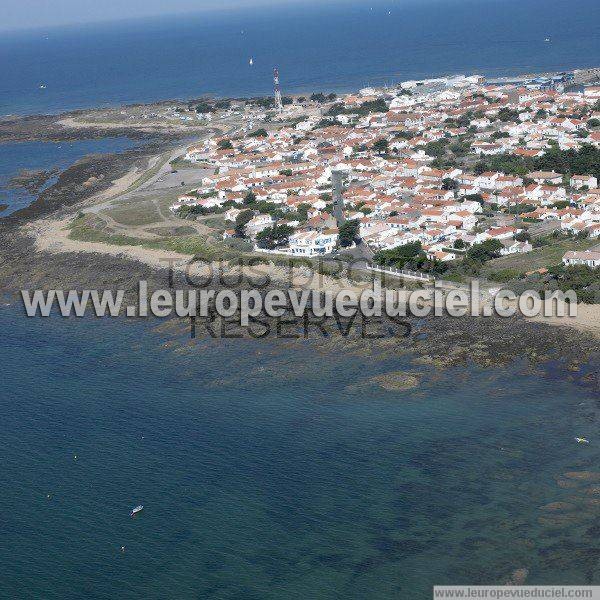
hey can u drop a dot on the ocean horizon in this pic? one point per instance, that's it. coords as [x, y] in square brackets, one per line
[330, 47]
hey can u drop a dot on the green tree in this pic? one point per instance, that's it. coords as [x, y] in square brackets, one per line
[523, 236]
[475, 198]
[399, 256]
[225, 145]
[371, 106]
[249, 198]
[450, 184]
[266, 102]
[436, 149]
[498, 135]
[348, 232]
[302, 211]
[204, 107]
[241, 221]
[336, 109]
[506, 114]
[273, 237]
[262, 132]
[485, 250]
[381, 146]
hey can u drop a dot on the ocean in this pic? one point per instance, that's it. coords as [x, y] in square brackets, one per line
[270, 471]
[330, 47]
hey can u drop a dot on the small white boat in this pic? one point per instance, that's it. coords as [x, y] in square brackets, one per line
[547, 40]
[42, 86]
[251, 62]
[582, 440]
[136, 510]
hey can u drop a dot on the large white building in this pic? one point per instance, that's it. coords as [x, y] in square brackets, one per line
[313, 243]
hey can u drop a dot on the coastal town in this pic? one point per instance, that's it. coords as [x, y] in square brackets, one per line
[300, 300]
[431, 174]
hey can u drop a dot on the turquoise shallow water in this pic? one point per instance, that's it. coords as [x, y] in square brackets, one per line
[266, 472]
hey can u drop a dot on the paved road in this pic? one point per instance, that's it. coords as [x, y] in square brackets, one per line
[362, 254]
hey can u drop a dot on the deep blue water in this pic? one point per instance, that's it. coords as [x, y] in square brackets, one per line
[338, 46]
[266, 472]
[15, 157]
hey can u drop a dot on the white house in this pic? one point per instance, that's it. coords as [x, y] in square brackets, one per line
[595, 230]
[313, 243]
[258, 223]
[514, 247]
[590, 258]
[232, 213]
[579, 181]
[545, 177]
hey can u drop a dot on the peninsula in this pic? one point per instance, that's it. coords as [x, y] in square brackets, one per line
[455, 177]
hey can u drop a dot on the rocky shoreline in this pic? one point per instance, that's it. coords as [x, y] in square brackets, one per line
[88, 176]
[47, 128]
[79, 124]
[32, 181]
[436, 342]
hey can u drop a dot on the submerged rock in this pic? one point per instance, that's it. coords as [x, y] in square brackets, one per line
[32, 180]
[557, 506]
[518, 577]
[397, 380]
[566, 483]
[591, 476]
[563, 519]
[567, 555]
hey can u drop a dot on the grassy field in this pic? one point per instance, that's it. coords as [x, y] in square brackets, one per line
[138, 213]
[546, 256]
[91, 228]
[85, 229]
[216, 222]
[181, 163]
[171, 231]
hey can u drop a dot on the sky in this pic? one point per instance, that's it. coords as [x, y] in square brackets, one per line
[29, 14]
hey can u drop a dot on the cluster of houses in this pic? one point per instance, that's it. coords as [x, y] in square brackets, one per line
[393, 186]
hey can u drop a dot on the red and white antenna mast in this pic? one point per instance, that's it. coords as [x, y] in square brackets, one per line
[277, 90]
